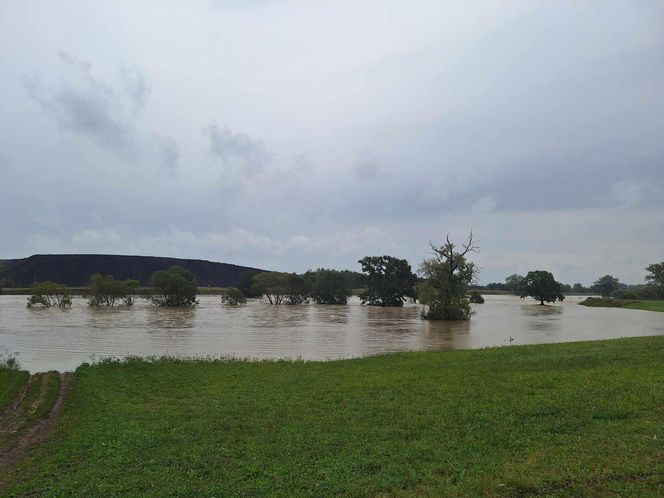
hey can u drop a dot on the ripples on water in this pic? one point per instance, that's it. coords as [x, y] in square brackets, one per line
[62, 339]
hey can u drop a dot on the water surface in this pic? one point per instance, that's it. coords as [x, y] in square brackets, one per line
[46, 339]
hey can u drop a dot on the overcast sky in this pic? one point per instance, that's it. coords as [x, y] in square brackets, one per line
[292, 135]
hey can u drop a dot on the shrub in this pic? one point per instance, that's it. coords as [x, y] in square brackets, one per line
[605, 302]
[476, 297]
[50, 295]
[625, 294]
[173, 287]
[281, 288]
[106, 291]
[233, 296]
[9, 361]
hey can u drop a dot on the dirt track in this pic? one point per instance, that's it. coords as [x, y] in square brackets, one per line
[20, 427]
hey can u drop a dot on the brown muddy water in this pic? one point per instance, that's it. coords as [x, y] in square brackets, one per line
[49, 339]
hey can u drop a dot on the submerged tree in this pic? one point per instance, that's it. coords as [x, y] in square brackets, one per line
[389, 280]
[246, 283]
[50, 295]
[131, 291]
[281, 288]
[173, 287]
[328, 286]
[233, 296]
[476, 297]
[106, 291]
[514, 283]
[542, 286]
[448, 275]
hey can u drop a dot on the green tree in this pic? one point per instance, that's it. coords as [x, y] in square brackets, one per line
[542, 286]
[233, 296]
[579, 288]
[246, 284]
[606, 285]
[106, 291]
[50, 295]
[281, 288]
[655, 276]
[328, 286]
[447, 277]
[131, 291]
[173, 287]
[514, 283]
[389, 281]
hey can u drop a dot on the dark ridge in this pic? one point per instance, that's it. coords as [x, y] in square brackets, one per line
[75, 269]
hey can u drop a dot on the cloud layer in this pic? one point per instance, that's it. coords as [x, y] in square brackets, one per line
[291, 135]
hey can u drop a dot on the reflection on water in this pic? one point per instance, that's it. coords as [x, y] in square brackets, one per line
[57, 339]
[453, 335]
[545, 319]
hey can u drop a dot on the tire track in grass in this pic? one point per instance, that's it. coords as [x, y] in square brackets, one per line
[9, 416]
[32, 425]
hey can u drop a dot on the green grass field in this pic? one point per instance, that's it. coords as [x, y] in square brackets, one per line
[647, 305]
[598, 302]
[578, 419]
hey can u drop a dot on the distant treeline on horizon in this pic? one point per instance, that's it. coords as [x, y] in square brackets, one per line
[74, 270]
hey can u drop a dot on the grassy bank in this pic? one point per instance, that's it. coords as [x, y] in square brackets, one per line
[646, 305]
[600, 302]
[583, 419]
[11, 381]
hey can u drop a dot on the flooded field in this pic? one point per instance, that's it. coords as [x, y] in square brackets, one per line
[55, 339]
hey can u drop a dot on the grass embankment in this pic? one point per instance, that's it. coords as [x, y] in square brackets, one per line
[583, 419]
[604, 302]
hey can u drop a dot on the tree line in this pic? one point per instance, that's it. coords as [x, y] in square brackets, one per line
[173, 287]
[445, 285]
[606, 286]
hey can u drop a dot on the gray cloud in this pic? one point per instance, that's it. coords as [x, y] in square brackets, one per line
[84, 105]
[229, 146]
[168, 153]
[136, 88]
[89, 107]
[367, 167]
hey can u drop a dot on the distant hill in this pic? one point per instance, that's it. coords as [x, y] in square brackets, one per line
[75, 269]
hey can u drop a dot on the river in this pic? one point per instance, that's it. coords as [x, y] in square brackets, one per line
[53, 339]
